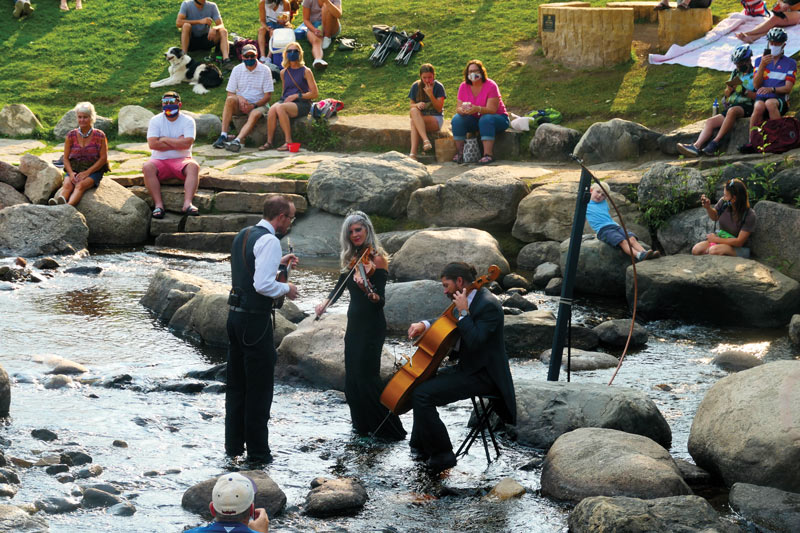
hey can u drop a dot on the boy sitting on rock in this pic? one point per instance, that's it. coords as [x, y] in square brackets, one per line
[610, 232]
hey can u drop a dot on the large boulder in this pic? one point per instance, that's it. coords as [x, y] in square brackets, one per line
[5, 393]
[747, 427]
[605, 462]
[687, 514]
[534, 254]
[392, 241]
[133, 120]
[12, 176]
[10, 196]
[682, 231]
[615, 140]
[203, 318]
[601, 268]
[269, 495]
[774, 242]
[114, 214]
[717, 289]
[552, 142]
[207, 125]
[665, 182]
[31, 230]
[413, 301]
[376, 185]
[17, 119]
[769, 508]
[581, 360]
[13, 519]
[548, 409]
[788, 183]
[528, 334]
[424, 254]
[43, 178]
[314, 233]
[546, 214]
[485, 198]
[69, 122]
[170, 289]
[314, 353]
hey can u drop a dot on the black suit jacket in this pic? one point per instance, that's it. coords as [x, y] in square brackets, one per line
[482, 346]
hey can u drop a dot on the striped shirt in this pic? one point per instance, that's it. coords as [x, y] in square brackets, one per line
[251, 84]
[754, 8]
[777, 74]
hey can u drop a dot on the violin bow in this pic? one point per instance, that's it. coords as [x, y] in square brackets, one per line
[341, 287]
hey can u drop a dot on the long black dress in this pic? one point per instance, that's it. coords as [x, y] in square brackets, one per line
[363, 344]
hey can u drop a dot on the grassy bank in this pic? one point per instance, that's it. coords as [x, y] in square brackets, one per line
[110, 51]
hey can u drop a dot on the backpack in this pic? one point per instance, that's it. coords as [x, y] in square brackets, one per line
[779, 135]
[545, 116]
[240, 43]
[326, 108]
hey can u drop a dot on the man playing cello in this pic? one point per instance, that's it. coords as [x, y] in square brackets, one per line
[482, 367]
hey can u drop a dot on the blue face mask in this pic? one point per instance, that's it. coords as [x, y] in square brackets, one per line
[293, 55]
[171, 110]
[249, 62]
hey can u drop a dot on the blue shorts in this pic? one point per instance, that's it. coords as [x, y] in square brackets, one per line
[318, 25]
[613, 235]
[96, 176]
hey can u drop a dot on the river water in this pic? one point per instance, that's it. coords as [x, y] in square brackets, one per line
[175, 440]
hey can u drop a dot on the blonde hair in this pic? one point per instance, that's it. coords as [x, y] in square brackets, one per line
[300, 61]
[86, 108]
[348, 250]
[601, 186]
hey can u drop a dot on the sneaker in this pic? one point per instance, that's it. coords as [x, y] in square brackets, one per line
[711, 148]
[220, 143]
[233, 146]
[27, 8]
[52, 201]
[320, 64]
[18, 8]
[227, 64]
[747, 149]
[688, 150]
[326, 42]
[643, 255]
[263, 60]
[656, 254]
[61, 200]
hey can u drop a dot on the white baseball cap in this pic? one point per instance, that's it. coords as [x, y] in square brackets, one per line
[233, 494]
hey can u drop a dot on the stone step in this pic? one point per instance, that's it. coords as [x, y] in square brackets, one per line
[204, 242]
[172, 223]
[173, 198]
[220, 181]
[208, 201]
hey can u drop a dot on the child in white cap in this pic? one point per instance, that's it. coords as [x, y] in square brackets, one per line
[232, 505]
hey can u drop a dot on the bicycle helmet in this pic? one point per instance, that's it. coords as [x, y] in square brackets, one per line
[777, 35]
[741, 53]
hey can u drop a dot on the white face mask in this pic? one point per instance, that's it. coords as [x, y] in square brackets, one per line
[474, 76]
[777, 49]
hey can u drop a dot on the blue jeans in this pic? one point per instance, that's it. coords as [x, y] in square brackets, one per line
[488, 125]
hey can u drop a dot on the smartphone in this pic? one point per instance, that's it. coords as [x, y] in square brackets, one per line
[767, 51]
[735, 82]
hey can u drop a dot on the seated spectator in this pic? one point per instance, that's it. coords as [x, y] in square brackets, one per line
[427, 101]
[683, 4]
[610, 232]
[170, 136]
[202, 29]
[249, 91]
[480, 108]
[65, 7]
[299, 91]
[755, 8]
[85, 157]
[233, 507]
[738, 102]
[773, 80]
[22, 8]
[322, 18]
[782, 15]
[736, 221]
[273, 14]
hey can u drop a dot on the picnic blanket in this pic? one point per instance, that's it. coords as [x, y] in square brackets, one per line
[714, 49]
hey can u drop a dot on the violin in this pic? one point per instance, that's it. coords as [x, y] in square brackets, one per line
[361, 268]
[283, 277]
[432, 347]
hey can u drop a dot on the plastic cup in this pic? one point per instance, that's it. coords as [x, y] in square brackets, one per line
[294, 147]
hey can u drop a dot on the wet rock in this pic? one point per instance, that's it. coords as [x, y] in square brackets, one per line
[17, 120]
[99, 498]
[615, 140]
[5, 286]
[335, 497]
[114, 215]
[424, 255]
[743, 429]
[552, 142]
[736, 360]
[11, 175]
[105, 487]
[553, 287]
[76, 458]
[517, 290]
[714, 289]
[164, 281]
[122, 509]
[411, 301]
[269, 495]
[59, 381]
[769, 508]
[215, 373]
[89, 472]
[133, 120]
[544, 273]
[605, 462]
[215, 388]
[614, 333]
[794, 330]
[675, 513]
[46, 263]
[505, 490]
[774, 242]
[33, 230]
[517, 301]
[119, 443]
[49, 459]
[582, 360]
[663, 181]
[84, 270]
[203, 318]
[20, 462]
[67, 367]
[494, 288]
[7, 475]
[10, 196]
[7, 491]
[291, 312]
[381, 184]
[547, 410]
[526, 335]
[57, 504]
[65, 478]
[56, 469]
[693, 475]
[534, 254]
[513, 311]
[184, 387]
[5, 394]
[117, 382]
[515, 281]
[13, 518]
[69, 121]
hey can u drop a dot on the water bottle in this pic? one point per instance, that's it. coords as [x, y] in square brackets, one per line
[715, 108]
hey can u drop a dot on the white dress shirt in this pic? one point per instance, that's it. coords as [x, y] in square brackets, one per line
[267, 250]
[470, 297]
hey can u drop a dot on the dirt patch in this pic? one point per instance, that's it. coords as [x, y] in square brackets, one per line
[645, 40]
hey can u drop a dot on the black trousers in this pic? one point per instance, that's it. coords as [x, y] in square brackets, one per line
[450, 385]
[251, 376]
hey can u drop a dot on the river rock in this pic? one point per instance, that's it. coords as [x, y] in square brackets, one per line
[664, 182]
[269, 495]
[515, 281]
[157, 298]
[746, 428]
[505, 490]
[203, 318]
[615, 140]
[376, 185]
[122, 509]
[775, 239]
[99, 498]
[291, 312]
[207, 125]
[548, 409]
[769, 508]
[553, 287]
[10, 196]
[114, 215]
[69, 122]
[552, 142]
[716, 289]
[314, 352]
[18, 119]
[46, 263]
[57, 504]
[59, 381]
[315, 233]
[392, 241]
[5, 395]
[425, 254]
[546, 214]
[794, 330]
[75, 458]
[412, 301]
[133, 120]
[581, 360]
[335, 497]
[89, 472]
[484, 198]
[687, 514]
[601, 268]
[13, 519]
[736, 360]
[65, 366]
[517, 301]
[682, 231]
[526, 335]
[544, 273]
[534, 254]
[614, 333]
[606, 462]
[43, 178]
[32, 230]
[56, 469]
[7, 475]
[7, 491]
[44, 434]
[11, 175]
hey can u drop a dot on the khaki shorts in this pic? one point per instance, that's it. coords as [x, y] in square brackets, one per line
[264, 109]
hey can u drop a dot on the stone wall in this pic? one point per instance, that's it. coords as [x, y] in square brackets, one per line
[682, 26]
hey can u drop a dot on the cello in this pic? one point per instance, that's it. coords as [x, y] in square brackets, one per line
[432, 347]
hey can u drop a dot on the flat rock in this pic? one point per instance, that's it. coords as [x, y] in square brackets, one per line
[581, 360]
[335, 497]
[614, 333]
[526, 335]
[253, 202]
[57, 504]
[233, 222]
[736, 360]
[32, 230]
[13, 519]
[505, 490]
[769, 508]
[269, 495]
[203, 242]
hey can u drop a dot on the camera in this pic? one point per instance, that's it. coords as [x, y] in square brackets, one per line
[234, 299]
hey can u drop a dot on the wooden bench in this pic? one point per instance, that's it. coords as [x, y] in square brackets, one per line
[682, 26]
[642, 11]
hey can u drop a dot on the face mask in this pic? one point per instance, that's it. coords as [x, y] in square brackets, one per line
[171, 110]
[474, 76]
[293, 55]
[249, 62]
[777, 50]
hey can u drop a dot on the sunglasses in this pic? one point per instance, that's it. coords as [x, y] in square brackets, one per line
[249, 56]
[170, 101]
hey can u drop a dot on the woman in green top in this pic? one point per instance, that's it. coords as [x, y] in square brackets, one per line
[736, 221]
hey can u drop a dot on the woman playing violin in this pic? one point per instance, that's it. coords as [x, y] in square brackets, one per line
[365, 272]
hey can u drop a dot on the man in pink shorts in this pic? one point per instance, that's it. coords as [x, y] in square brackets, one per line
[170, 136]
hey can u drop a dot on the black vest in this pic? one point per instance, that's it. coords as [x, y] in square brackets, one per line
[243, 268]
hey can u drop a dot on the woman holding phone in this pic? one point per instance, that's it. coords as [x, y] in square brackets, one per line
[737, 221]
[427, 101]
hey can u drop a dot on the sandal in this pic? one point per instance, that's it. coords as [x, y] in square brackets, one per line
[426, 145]
[661, 7]
[283, 148]
[190, 211]
[485, 160]
[265, 146]
[158, 212]
[458, 158]
[413, 156]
